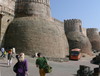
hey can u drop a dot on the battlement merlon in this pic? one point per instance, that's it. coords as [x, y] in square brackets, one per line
[73, 21]
[73, 25]
[45, 2]
[7, 7]
[5, 10]
[32, 7]
[93, 31]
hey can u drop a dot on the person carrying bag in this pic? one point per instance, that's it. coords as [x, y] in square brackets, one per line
[41, 63]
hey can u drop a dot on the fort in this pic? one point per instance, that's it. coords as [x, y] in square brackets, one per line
[76, 36]
[28, 26]
[94, 38]
[6, 15]
[32, 7]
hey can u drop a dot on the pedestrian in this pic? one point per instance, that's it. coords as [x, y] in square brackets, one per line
[13, 52]
[5, 53]
[17, 57]
[2, 51]
[22, 65]
[9, 57]
[40, 63]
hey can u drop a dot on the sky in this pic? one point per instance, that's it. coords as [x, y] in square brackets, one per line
[88, 11]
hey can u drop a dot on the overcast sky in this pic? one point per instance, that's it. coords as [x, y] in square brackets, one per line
[88, 11]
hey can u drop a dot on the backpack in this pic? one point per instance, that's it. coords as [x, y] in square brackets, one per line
[15, 67]
[48, 69]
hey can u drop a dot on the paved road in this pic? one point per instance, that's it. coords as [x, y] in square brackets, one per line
[59, 68]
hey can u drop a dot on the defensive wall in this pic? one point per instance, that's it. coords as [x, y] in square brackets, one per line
[94, 37]
[6, 15]
[34, 30]
[33, 7]
[73, 25]
[84, 31]
[75, 35]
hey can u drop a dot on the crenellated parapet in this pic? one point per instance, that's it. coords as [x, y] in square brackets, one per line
[33, 7]
[45, 2]
[7, 7]
[92, 31]
[6, 10]
[73, 25]
[74, 21]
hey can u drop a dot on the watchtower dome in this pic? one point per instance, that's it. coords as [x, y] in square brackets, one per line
[32, 7]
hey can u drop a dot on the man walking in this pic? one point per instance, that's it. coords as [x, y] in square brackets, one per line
[41, 62]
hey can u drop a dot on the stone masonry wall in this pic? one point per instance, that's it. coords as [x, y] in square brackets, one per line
[84, 31]
[0, 28]
[73, 25]
[5, 21]
[94, 37]
[76, 38]
[33, 30]
[7, 13]
[35, 34]
[33, 7]
[7, 7]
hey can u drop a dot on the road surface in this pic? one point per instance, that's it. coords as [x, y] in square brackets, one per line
[59, 68]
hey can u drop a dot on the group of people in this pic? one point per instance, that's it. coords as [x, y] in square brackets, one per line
[22, 66]
[9, 53]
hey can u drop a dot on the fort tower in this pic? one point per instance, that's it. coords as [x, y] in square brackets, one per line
[94, 37]
[6, 15]
[34, 30]
[33, 7]
[76, 37]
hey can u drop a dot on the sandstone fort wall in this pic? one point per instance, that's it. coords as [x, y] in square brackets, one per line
[6, 15]
[94, 37]
[33, 7]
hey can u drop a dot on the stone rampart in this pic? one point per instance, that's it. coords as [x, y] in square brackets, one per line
[73, 25]
[94, 37]
[34, 34]
[33, 7]
[7, 7]
[76, 38]
[6, 15]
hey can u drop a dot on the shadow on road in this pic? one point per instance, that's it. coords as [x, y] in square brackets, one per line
[74, 74]
[3, 65]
